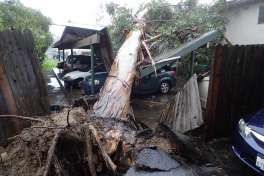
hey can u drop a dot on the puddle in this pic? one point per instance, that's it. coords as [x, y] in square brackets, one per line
[53, 84]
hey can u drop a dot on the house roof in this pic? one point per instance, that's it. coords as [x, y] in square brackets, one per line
[240, 3]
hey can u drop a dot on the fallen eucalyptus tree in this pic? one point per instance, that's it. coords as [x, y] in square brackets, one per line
[114, 98]
[104, 141]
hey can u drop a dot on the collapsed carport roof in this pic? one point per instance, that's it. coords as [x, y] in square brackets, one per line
[83, 36]
[185, 49]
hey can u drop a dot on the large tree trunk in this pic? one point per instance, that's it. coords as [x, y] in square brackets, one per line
[114, 98]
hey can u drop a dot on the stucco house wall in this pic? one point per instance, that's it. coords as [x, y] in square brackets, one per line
[242, 27]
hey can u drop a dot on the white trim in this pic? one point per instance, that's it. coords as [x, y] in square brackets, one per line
[257, 135]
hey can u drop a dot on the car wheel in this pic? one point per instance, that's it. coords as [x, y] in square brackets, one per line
[165, 87]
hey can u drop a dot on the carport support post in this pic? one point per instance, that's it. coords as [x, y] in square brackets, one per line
[71, 52]
[92, 70]
[63, 55]
[192, 63]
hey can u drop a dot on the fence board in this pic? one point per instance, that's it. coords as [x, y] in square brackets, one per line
[22, 85]
[236, 87]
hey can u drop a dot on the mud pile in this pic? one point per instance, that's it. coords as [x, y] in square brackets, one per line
[26, 154]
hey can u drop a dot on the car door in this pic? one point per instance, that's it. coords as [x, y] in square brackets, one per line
[148, 84]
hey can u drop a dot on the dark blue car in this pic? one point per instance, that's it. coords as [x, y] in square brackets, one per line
[99, 79]
[163, 82]
[248, 141]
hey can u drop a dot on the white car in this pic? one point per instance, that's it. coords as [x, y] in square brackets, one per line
[73, 79]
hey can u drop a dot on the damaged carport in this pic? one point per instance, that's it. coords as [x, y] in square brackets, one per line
[87, 37]
[184, 112]
[170, 56]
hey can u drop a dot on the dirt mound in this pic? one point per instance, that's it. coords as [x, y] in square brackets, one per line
[27, 153]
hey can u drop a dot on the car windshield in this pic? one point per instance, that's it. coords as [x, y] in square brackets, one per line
[72, 60]
[79, 59]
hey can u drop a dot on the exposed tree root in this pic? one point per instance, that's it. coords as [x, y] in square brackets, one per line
[51, 152]
[107, 159]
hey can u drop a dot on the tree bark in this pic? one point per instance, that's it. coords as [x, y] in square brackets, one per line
[114, 98]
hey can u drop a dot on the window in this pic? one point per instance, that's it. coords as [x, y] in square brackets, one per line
[261, 15]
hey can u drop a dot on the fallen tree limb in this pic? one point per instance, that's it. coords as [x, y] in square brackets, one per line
[150, 57]
[153, 38]
[22, 118]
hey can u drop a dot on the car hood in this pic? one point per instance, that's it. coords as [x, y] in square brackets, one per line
[256, 122]
[77, 74]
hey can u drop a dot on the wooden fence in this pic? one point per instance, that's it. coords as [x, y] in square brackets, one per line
[22, 86]
[236, 87]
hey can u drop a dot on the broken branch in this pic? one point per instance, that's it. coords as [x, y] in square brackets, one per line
[21, 117]
[153, 38]
[150, 57]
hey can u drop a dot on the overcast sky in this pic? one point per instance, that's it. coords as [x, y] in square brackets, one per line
[81, 11]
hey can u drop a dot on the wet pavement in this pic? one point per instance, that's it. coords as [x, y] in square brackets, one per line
[148, 109]
[57, 95]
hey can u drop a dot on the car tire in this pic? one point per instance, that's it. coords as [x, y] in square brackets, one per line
[165, 87]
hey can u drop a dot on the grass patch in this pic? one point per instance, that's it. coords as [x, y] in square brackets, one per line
[48, 64]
